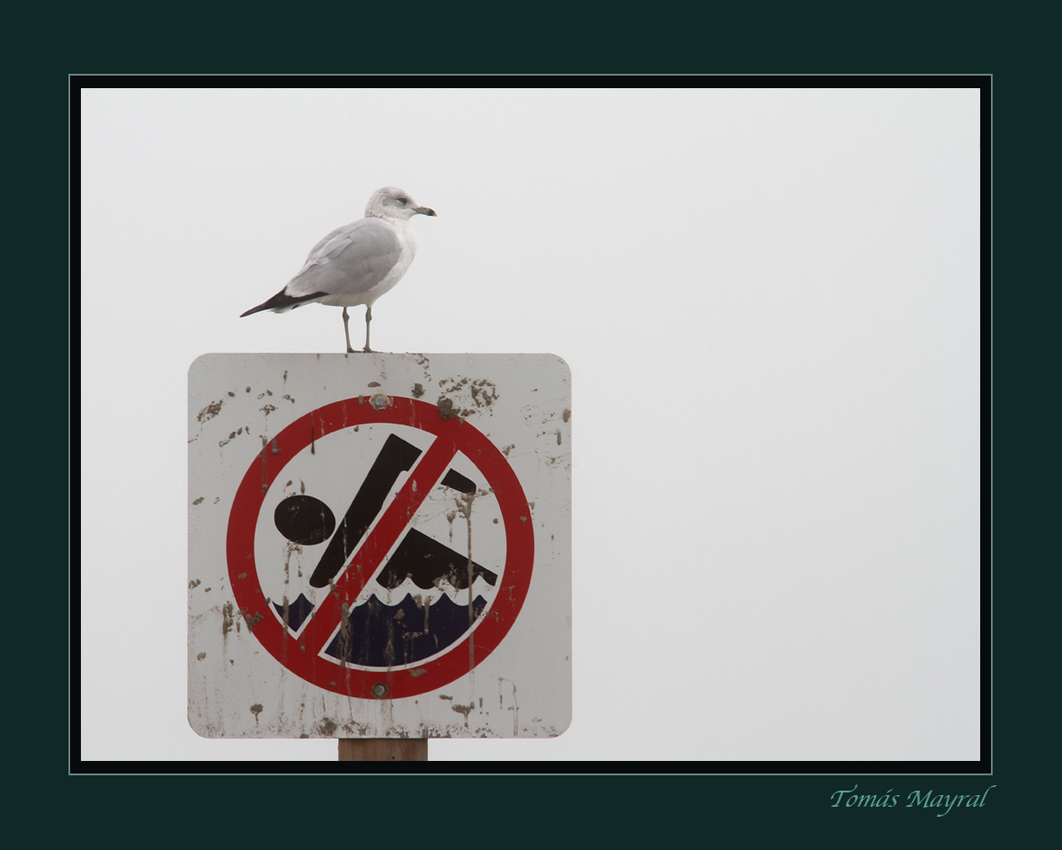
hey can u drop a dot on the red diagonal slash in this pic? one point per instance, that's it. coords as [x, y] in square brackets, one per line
[367, 560]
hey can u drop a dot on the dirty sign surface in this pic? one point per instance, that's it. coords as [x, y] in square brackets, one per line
[379, 546]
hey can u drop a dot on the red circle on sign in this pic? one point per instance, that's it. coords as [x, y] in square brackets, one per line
[301, 654]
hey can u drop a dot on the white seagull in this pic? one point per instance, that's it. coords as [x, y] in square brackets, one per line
[357, 263]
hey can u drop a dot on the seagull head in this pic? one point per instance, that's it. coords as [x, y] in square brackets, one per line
[393, 203]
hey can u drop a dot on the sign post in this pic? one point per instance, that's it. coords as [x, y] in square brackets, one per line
[379, 548]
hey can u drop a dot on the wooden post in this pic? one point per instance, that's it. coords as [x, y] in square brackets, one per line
[383, 749]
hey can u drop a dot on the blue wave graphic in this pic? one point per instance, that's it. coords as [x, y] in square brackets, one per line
[380, 635]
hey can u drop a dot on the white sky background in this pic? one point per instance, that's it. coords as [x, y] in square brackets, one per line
[769, 301]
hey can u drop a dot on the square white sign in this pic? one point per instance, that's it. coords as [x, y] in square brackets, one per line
[379, 545]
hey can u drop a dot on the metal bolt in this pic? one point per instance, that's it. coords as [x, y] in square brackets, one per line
[380, 401]
[379, 690]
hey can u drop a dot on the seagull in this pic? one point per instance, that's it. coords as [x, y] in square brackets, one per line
[357, 263]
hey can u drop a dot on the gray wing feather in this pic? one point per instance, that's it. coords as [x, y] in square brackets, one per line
[350, 260]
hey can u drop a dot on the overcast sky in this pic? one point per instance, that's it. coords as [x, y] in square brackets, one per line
[769, 302]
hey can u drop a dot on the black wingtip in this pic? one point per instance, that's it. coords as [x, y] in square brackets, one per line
[282, 301]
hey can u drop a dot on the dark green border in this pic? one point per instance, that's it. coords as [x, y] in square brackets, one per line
[632, 809]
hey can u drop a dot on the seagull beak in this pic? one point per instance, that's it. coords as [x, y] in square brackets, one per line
[424, 211]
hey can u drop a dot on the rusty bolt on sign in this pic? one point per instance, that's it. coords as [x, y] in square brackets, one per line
[380, 401]
[379, 690]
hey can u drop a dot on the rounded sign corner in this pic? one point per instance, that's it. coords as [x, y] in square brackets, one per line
[192, 720]
[560, 361]
[199, 363]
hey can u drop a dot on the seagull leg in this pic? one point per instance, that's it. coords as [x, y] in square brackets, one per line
[346, 330]
[368, 318]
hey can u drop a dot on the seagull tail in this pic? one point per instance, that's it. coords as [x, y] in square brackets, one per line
[282, 301]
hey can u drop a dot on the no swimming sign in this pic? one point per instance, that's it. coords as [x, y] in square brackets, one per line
[379, 545]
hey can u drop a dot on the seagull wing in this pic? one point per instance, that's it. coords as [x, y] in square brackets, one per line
[342, 267]
[349, 261]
